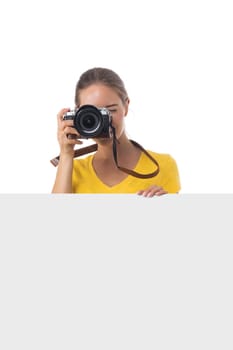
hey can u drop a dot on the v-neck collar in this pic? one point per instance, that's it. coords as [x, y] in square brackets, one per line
[125, 180]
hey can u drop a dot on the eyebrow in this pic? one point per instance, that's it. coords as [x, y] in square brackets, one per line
[113, 105]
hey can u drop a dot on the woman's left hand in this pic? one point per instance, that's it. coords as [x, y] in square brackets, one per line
[152, 191]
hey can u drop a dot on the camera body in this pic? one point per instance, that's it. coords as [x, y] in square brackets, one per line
[91, 122]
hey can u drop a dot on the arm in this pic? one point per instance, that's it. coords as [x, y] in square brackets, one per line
[63, 180]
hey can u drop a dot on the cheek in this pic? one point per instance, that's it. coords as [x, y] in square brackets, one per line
[118, 118]
[118, 123]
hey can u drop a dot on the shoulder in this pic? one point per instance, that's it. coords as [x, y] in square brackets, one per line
[167, 164]
[162, 158]
[169, 172]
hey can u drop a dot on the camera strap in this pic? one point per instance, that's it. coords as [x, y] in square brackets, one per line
[92, 148]
[130, 171]
[78, 152]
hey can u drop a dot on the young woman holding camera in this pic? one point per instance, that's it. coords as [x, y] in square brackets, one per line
[116, 163]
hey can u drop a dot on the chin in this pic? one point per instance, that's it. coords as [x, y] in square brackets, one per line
[103, 141]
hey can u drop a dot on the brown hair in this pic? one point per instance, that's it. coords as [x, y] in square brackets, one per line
[103, 76]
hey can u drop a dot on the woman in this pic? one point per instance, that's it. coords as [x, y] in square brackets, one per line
[118, 164]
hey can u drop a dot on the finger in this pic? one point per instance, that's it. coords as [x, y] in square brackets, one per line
[140, 192]
[152, 191]
[158, 192]
[69, 136]
[149, 190]
[61, 113]
[74, 141]
[69, 130]
[161, 192]
[62, 124]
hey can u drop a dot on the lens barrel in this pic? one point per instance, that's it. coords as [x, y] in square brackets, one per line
[92, 122]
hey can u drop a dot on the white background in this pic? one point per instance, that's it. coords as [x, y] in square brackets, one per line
[175, 58]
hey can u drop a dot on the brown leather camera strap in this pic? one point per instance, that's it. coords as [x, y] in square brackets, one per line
[92, 148]
[134, 173]
[130, 171]
[77, 153]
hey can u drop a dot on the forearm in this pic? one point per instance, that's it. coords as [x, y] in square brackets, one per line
[63, 180]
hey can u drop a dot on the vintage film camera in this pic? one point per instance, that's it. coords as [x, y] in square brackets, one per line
[91, 122]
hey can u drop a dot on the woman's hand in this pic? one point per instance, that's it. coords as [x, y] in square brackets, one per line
[152, 191]
[67, 135]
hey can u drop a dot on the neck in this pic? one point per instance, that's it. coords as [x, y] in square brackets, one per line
[105, 148]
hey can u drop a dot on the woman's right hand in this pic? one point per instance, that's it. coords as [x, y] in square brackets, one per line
[67, 135]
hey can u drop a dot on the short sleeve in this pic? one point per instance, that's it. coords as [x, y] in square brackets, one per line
[172, 177]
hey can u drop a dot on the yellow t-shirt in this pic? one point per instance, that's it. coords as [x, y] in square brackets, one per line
[85, 180]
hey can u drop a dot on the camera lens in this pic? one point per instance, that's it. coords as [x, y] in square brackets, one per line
[88, 121]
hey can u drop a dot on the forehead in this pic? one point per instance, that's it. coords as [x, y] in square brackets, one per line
[98, 95]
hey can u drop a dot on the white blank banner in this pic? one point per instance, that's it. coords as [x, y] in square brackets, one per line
[116, 272]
